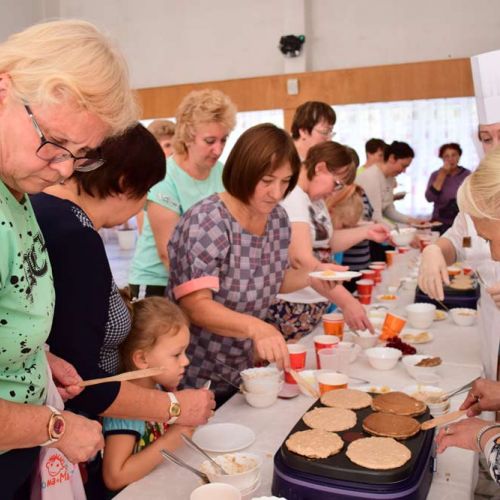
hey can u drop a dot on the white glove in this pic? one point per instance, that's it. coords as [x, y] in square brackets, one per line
[433, 272]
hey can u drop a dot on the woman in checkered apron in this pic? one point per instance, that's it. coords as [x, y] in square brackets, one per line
[229, 260]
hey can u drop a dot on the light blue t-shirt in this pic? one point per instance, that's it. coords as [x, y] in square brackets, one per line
[178, 192]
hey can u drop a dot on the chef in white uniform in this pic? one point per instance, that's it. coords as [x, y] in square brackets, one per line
[462, 242]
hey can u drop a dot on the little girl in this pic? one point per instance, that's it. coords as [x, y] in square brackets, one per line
[159, 337]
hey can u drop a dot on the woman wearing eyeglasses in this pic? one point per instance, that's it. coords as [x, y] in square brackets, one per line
[312, 124]
[63, 90]
[327, 169]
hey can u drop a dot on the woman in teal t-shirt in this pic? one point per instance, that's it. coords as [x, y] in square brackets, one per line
[204, 120]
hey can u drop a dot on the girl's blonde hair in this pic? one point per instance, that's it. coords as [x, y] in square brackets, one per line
[479, 194]
[349, 211]
[152, 318]
[200, 107]
[57, 61]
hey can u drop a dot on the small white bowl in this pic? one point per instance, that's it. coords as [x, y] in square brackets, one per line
[404, 236]
[383, 358]
[263, 379]
[425, 374]
[420, 315]
[250, 465]
[262, 399]
[463, 316]
[365, 339]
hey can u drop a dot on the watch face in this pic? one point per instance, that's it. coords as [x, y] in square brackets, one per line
[58, 428]
[175, 409]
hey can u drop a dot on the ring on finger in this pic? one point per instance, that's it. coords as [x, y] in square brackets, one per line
[447, 430]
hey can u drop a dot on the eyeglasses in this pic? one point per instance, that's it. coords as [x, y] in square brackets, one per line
[325, 132]
[55, 153]
[338, 185]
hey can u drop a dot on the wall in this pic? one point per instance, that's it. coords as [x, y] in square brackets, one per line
[169, 42]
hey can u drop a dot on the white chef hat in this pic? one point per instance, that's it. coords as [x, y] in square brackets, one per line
[486, 76]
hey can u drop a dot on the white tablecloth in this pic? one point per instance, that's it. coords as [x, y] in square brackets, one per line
[456, 474]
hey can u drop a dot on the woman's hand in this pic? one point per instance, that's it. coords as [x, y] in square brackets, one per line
[377, 232]
[197, 406]
[82, 438]
[461, 434]
[65, 376]
[270, 344]
[494, 291]
[483, 396]
[355, 316]
[433, 272]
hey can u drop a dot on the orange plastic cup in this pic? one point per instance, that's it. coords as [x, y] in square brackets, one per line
[389, 256]
[467, 270]
[297, 354]
[378, 272]
[324, 342]
[367, 274]
[330, 381]
[392, 326]
[333, 324]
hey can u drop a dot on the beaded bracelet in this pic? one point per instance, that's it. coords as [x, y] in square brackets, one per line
[481, 432]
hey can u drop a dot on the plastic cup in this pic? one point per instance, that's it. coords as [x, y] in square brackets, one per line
[378, 263]
[365, 287]
[367, 274]
[333, 324]
[336, 358]
[330, 381]
[392, 326]
[467, 270]
[378, 272]
[365, 299]
[297, 354]
[403, 249]
[389, 256]
[323, 342]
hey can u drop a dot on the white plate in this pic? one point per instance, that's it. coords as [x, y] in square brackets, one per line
[334, 275]
[415, 331]
[223, 438]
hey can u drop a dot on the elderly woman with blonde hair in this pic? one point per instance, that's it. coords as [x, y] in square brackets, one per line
[64, 88]
[204, 120]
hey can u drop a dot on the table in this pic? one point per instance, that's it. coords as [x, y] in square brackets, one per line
[456, 473]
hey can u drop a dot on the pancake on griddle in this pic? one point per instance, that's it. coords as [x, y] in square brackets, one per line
[349, 399]
[330, 419]
[398, 403]
[378, 453]
[389, 425]
[314, 443]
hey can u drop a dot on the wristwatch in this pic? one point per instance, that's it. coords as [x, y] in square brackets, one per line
[55, 427]
[175, 408]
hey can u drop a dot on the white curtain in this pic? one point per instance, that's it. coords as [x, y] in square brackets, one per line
[425, 125]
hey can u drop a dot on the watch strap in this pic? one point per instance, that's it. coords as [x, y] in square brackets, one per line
[174, 402]
[55, 412]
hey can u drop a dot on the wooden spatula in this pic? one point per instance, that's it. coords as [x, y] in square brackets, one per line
[302, 382]
[147, 372]
[442, 419]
